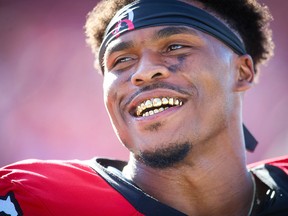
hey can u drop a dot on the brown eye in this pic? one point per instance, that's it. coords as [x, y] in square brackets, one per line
[174, 47]
[122, 60]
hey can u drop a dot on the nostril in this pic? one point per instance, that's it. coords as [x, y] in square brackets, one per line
[158, 74]
[138, 80]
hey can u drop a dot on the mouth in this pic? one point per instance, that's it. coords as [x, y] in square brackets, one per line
[153, 106]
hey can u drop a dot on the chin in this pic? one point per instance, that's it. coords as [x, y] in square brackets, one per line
[165, 157]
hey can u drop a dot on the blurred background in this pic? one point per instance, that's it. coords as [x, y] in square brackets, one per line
[51, 104]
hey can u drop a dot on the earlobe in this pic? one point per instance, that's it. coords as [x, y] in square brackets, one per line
[245, 73]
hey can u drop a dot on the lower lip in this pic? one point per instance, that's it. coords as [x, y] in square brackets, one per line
[162, 114]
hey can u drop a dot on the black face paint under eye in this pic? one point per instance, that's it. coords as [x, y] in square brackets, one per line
[177, 67]
[181, 59]
[174, 68]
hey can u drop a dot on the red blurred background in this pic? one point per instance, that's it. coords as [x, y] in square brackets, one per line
[51, 103]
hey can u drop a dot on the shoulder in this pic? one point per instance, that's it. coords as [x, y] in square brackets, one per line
[38, 168]
[273, 172]
[55, 187]
[30, 174]
[280, 162]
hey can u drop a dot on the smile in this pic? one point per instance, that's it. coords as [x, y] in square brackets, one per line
[156, 105]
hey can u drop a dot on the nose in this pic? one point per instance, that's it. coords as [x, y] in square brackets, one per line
[150, 69]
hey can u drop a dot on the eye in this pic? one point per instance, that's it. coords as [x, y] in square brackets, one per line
[122, 60]
[174, 47]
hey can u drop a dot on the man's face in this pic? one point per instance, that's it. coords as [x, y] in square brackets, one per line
[167, 87]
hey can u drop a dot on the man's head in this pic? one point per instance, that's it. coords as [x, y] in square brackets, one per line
[172, 88]
[248, 18]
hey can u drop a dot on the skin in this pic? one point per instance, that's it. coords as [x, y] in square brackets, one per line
[211, 178]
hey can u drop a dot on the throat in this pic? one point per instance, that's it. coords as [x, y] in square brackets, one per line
[194, 190]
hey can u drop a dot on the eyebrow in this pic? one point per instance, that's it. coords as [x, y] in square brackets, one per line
[119, 47]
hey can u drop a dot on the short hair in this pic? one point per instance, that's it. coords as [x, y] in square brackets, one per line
[248, 18]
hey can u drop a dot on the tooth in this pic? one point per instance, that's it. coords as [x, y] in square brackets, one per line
[171, 101]
[151, 112]
[138, 113]
[156, 111]
[147, 114]
[139, 110]
[181, 103]
[143, 107]
[157, 102]
[165, 101]
[148, 104]
[166, 108]
[161, 109]
[176, 102]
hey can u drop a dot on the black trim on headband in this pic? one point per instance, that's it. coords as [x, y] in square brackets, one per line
[148, 13]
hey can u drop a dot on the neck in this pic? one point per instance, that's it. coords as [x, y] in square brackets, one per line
[214, 182]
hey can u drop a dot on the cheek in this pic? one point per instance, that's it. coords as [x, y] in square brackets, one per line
[110, 94]
[109, 86]
[216, 93]
[113, 88]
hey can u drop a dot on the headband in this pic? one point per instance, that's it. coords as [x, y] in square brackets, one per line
[148, 13]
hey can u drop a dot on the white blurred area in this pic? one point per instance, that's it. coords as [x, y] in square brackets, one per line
[51, 104]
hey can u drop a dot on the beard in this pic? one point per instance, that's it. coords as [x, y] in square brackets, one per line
[165, 157]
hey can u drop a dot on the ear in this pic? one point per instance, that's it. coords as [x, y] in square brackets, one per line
[245, 73]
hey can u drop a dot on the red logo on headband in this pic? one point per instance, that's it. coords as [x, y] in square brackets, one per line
[124, 24]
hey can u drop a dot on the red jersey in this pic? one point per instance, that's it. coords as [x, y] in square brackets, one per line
[97, 187]
[60, 188]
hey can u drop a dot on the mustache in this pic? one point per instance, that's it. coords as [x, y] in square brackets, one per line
[158, 85]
